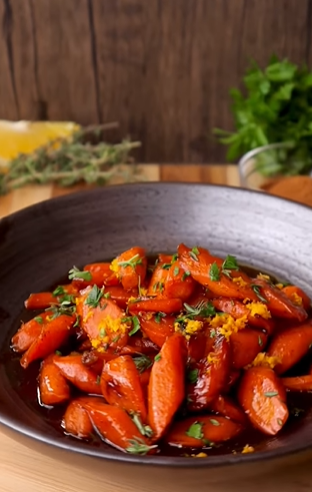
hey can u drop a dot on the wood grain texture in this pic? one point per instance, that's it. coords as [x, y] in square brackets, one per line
[162, 68]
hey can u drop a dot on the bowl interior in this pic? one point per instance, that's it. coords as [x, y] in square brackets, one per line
[40, 244]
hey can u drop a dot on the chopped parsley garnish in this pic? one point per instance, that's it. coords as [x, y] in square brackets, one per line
[176, 271]
[270, 394]
[196, 430]
[57, 352]
[185, 275]
[59, 291]
[94, 297]
[145, 430]
[157, 357]
[142, 363]
[166, 266]
[135, 325]
[230, 263]
[159, 316]
[256, 289]
[214, 272]
[115, 339]
[194, 254]
[204, 309]
[158, 286]
[133, 262]
[61, 310]
[138, 446]
[215, 422]
[213, 333]
[38, 319]
[192, 376]
[107, 295]
[174, 258]
[75, 274]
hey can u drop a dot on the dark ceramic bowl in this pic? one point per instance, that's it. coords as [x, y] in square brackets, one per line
[39, 244]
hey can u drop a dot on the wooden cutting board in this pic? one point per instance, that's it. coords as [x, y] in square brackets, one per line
[25, 468]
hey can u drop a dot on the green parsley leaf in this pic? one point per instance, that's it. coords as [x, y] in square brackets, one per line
[213, 333]
[107, 295]
[203, 309]
[142, 363]
[166, 266]
[185, 275]
[136, 325]
[192, 375]
[195, 430]
[75, 274]
[215, 422]
[159, 316]
[39, 319]
[214, 272]
[208, 443]
[174, 258]
[270, 394]
[145, 430]
[230, 263]
[256, 289]
[59, 291]
[94, 297]
[57, 352]
[157, 357]
[115, 339]
[193, 254]
[138, 446]
[176, 271]
[133, 262]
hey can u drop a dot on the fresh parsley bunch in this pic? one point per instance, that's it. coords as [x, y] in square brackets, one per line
[276, 107]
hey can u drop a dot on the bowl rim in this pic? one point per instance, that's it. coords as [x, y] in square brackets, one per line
[152, 460]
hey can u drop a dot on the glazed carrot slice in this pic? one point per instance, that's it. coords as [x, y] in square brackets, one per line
[119, 295]
[167, 306]
[278, 303]
[226, 407]
[298, 383]
[121, 385]
[166, 389]
[130, 267]
[140, 344]
[116, 427]
[77, 421]
[53, 387]
[262, 395]
[212, 376]
[157, 328]
[246, 345]
[290, 345]
[157, 282]
[29, 332]
[297, 296]
[207, 270]
[179, 284]
[198, 346]
[196, 432]
[261, 318]
[52, 336]
[101, 274]
[166, 259]
[75, 371]
[43, 300]
[102, 320]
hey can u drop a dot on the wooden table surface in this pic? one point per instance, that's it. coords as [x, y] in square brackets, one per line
[26, 468]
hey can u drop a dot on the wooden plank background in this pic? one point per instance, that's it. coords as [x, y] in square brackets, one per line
[162, 68]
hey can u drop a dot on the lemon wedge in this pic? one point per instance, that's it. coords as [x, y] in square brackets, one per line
[24, 136]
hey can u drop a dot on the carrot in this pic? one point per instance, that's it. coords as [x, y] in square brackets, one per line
[102, 320]
[290, 345]
[157, 328]
[298, 383]
[140, 344]
[130, 267]
[77, 421]
[297, 296]
[237, 309]
[52, 336]
[166, 389]
[212, 376]
[262, 396]
[101, 274]
[157, 282]
[226, 407]
[178, 283]
[121, 296]
[167, 306]
[163, 258]
[196, 432]
[116, 427]
[202, 265]
[29, 332]
[75, 371]
[43, 300]
[278, 303]
[53, 387]
[198, 346]
[246, 345]
[121, 385]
